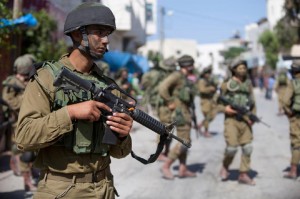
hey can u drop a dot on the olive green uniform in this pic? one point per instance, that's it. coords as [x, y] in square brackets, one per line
[174, 89]
[237, 131]
[280, 88]
[42, 127]
[207, 103]
[291, 104]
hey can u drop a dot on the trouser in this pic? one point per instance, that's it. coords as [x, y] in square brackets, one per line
[209, 111]
[295, 139]
[179, 151]
[237, 133]
[77, 186]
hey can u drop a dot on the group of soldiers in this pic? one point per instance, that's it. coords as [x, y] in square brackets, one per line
[171, 93]
[65, 127]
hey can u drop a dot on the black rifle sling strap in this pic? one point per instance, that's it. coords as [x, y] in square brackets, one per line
[153, 157]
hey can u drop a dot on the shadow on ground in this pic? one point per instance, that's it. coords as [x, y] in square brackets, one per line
[197, 167]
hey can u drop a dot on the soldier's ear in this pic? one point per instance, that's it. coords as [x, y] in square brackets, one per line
[76, 36]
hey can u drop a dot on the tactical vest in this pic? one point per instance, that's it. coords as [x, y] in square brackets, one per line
[239, 93]
[86, 137]
[296, 97]
[282, 79]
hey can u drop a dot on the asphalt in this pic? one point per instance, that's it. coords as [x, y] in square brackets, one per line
[133, 180]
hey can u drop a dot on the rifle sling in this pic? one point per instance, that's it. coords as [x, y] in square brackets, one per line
[163, 139]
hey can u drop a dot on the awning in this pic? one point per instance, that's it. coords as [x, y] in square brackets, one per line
[134, 63]
[29, 20]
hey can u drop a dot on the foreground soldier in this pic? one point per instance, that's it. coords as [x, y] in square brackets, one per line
[67, 127]
[207, 87]
[176, 95]
[238, 131]
[12, 93]
[291, 106]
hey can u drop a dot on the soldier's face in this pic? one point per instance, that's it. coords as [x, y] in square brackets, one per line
[241, 71]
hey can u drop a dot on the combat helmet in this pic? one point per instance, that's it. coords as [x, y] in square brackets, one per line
[295, 52]
[185, 61]
[168, 64]
[23, 65]
[206, 70]
[90, 13]
[236, 62]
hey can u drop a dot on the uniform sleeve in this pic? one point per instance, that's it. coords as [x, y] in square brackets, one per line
[203, 88]
[286, 100]
[165, 86]
[38, 127]
[122, 149]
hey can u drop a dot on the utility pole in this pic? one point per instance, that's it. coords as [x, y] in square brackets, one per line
[162, 31]
[17, 8]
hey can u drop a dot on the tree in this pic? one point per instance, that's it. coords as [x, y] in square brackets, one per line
[233, 52]
[286, 34]
[270, 44]
[40, 42]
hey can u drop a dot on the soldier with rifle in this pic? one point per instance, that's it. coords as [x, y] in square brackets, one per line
[238, 127]
[175, 92]
[291, 107]
[67, 127]
[12, 94]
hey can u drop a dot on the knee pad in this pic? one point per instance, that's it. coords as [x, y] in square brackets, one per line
[247, 149]
[230, 150]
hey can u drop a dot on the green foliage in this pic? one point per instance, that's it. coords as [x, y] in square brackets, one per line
[6, 32]
[39, 41]
[287, 35]
[270, 44]
[233, 52]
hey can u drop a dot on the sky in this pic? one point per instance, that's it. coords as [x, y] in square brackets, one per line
[209, 21]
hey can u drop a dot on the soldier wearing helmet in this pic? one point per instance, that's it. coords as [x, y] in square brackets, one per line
[237, 129]
[291, 107]
[207, 86]
[66, 126]
[12, 93]
[176, 94]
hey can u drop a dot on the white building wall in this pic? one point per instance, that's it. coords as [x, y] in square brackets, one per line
[132, 27]
[275, 11]
[172, 47]
[209, 54]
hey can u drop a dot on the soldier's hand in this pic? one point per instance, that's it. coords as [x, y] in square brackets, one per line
[172, 106]
[88, 110]
[120, 123]
[229, 110]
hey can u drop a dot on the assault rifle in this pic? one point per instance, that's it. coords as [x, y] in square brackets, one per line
[194, 117]
[242, 111]
[67, 80]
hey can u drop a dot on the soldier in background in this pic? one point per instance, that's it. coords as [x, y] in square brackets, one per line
[238, 129]
[123, 82]
[176, 95]
[207, 87]
[12, 93]
[291, 106]
[281, 84]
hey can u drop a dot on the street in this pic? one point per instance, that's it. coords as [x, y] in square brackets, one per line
[270, 158]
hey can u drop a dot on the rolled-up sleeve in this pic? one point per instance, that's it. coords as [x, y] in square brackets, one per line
[122, 149]
[38, 127]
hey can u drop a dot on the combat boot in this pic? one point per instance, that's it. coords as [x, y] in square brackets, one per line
[165, 169]
[245, 179]
[185, 173]
[28, 186]
[292, 174]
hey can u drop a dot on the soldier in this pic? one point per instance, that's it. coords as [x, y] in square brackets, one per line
[282, 82]
[12, 93]
[123, 82]
[207, 86]
[176, 95]
[66, 126]
[238, 131]
[291, 106]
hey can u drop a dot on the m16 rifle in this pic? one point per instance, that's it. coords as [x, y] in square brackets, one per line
[242, 111]
[67, 80]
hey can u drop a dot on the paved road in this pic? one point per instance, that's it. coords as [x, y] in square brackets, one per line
[270, 159]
